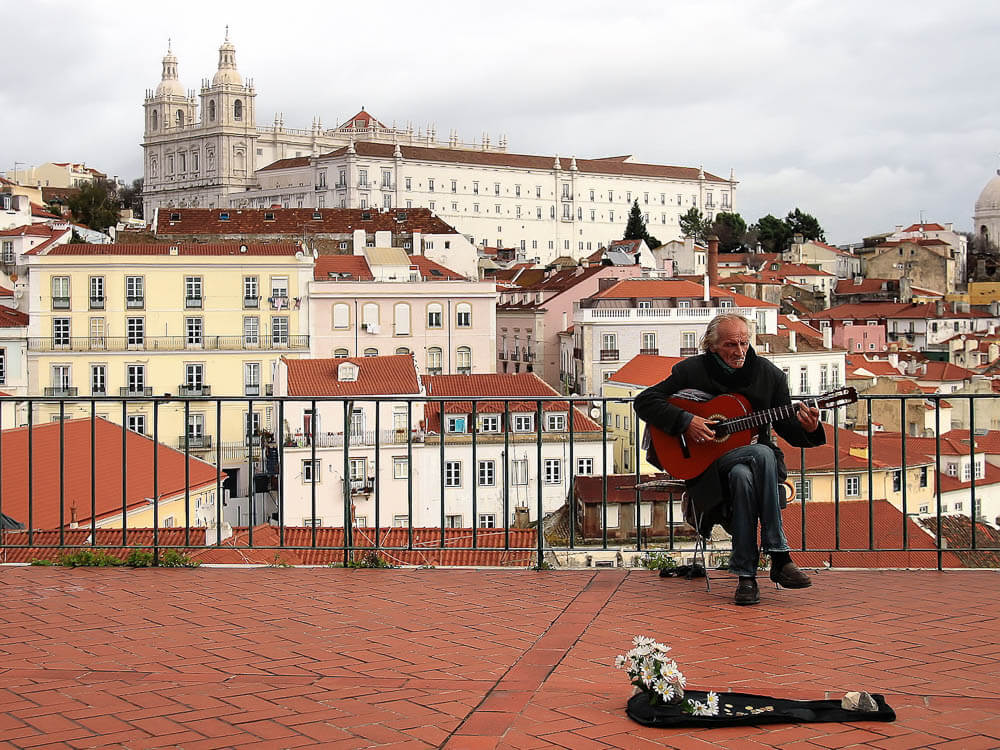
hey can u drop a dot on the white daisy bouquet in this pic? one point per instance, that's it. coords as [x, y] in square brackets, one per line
[652, 672]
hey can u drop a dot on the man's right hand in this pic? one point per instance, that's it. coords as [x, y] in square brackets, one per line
[700, 430]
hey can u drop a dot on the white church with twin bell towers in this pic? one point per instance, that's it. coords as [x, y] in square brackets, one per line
[207, 151]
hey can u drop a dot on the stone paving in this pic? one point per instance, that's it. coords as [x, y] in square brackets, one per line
[487, 658]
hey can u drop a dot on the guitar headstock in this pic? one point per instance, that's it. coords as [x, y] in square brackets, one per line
[839, 397]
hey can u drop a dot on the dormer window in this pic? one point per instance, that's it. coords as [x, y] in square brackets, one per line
[269, 216]
[456, 423]
[555, 422]
[175, 217]
[366, 216]
[347, 372]
[317, 215]
[224, 216]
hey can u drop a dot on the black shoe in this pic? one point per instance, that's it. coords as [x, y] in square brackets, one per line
[747, 592]
[790, 577]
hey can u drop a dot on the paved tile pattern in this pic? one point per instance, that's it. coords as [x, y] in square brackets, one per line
[276, 658]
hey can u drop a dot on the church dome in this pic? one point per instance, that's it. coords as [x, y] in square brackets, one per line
[227, 72]
[989, 199]
[169, 85]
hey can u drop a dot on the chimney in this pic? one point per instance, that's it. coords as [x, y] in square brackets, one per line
[827, 338]
[713, 259]
[791, 341]
[707, 295]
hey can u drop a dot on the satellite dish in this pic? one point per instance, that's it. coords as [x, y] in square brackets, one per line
[595, 413]
[243, 248]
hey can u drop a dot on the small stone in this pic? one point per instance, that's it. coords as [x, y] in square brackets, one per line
[859, 701]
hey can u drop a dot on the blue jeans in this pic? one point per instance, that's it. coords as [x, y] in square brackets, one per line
[750, 473]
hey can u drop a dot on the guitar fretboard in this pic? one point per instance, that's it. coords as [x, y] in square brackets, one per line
[761, 418]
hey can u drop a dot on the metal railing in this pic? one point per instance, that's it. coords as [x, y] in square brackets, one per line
[558, 479]
[165, 343]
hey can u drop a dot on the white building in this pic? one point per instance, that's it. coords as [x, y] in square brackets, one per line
[212, 153]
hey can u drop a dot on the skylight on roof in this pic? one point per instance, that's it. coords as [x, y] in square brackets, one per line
[435, 272]
[224, 216]
[317, 215]
[269, 216]
[175, 217]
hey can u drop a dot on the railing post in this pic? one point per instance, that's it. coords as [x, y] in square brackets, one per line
[540, 536]
[156, 483]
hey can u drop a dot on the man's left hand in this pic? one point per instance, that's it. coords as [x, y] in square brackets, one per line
[808, 417]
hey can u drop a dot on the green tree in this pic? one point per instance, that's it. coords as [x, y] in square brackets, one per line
[731, 230]
[130, 196]
[772, 233]
[694, 224]
[95, 205]
[799, 222]
[636, 227]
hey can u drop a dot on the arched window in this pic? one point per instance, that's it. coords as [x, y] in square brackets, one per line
[463, 360]
[211, 111]
[434, 315]
[339, 353]
[371, 352]
[434, 360]
[463, 315]
[369, 314]
[154, 119]
[180, 118]
[401, 319]
[238, 110]
[341, 316]
[402, 350]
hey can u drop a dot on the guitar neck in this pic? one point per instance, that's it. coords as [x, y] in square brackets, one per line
[760, 418]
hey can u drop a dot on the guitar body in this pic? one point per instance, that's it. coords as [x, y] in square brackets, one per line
[688, 460]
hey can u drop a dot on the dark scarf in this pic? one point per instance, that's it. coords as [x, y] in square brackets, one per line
[734, 378]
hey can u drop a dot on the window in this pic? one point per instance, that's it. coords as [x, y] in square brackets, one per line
[803, 491]
[196, 427]
[8, 252]
[553, 470]
[135, 377]
[61, 378]
[238, 110]
[401, 319]
[555, 422]
[487, 521]
[194, 378]
[341, 315]
[96, 292]
[824, 382]
[897, 480]
[489, 423]
[251, 292]
[136, 423]
[519, 471]
[463, 315]
[852, 486]
[585, 466]
[97, 333]
[60, 332]
[524, 422]
[925, 509]
[958, 507]
[340, 353]
[193, 328]
[688, 340]
[923, 476]
[192, 291]
[279, 330]
[456, 423]
[463, 360]
[60, 292]
[452, 473]
[310, 471]
[487, 473]
[251, 378]
[430, 185]
[434, 360]
[803, 380]
[134, 292]
[648, 342]
[3, 365]
[400, 467]
[496, 188]
[251, 331]
[434, 315]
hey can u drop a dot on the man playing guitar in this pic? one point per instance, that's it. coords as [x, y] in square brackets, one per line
[740, 488]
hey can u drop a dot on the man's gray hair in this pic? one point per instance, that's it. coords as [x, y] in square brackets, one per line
[711, 337]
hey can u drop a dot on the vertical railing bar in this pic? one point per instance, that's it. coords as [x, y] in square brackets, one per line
[378, 463]
[14, 410]
[62, 475]
[93, 473]
[836, 479]
[571, 502]
[638, 479]
[346, 483]
[31, 476]
[441, 432]
[125, 473]
[902, 467]
[314, 469]
[156, 482]
[218, 472]
[604, 475]
[871, 483]
[187, 474]
[972, 469]
[409, 472]
[474, 427]
[251, 485]
[937, 481]
[281, 471]
[508, 461]
[540, 535]
[802, 500]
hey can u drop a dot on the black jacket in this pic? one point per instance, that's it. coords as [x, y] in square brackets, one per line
[764, 386]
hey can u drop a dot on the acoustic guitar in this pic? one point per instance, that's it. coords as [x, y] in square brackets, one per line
[735, 425]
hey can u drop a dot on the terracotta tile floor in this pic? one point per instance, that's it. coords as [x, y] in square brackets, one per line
[274, 658]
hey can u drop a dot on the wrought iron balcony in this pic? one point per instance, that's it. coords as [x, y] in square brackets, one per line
[130, 391]
[609, 355]
[60, 303]
[195, 442]
[654, 351]
[194, 390]
[164, 343]
[61, 391]
[192, 303]
[97, 303]
[135, 303]
[251, 303]
[278, 302]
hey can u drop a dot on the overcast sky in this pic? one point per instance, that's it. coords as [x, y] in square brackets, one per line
[862, 113]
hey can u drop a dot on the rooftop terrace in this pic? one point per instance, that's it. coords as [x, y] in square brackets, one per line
[268, 657]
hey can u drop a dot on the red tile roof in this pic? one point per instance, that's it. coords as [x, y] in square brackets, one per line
[367, 119]
[612, 166]
[431, 271]
[12, 318]
[800, 328]
[621, 489]
[942, 371]
[5, 292]
[354, 265]
[77, 452]
[524, 385]
[298, 221]
[991, 476]
[645, 370]
[35, 230]
[988, 442]
[866, 286]
[41, 212]
[672, 289]
[877, 367]
[377, 376]
[931, 227]
[956, 530]
[821, 458]
[226, 248]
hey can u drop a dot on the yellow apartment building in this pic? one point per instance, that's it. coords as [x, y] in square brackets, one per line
[127, 323]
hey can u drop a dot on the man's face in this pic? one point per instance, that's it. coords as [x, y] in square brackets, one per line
[734, 340]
